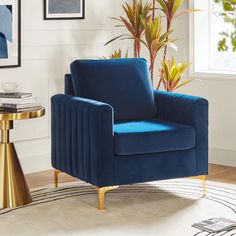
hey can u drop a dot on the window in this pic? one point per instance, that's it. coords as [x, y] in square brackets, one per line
[213, 36]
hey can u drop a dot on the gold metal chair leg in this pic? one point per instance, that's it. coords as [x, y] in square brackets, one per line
[101, 195]
[204, 185]
[203, 179]
[56, 172]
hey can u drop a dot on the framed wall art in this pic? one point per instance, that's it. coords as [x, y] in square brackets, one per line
[64, 9]
[10, 33]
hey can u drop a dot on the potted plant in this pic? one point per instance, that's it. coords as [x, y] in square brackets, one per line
[144, 25]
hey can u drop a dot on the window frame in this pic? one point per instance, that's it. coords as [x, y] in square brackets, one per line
[204, 74]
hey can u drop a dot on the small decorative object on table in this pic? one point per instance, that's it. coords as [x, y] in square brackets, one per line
[14, 190]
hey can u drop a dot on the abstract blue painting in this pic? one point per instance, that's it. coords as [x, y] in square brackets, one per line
[10, 40]
[3, 46]
[5, 29]
[64, 6]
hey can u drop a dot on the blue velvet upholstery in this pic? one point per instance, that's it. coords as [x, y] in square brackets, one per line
[155, 166]
[118, 82]
[84, 137]
[152, 135]
[69, 88]
[189, 110]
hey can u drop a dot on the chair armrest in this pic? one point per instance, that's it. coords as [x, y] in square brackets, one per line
[188, 110]
[82, 138]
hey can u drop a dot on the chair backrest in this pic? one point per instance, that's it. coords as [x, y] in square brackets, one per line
[125, 84]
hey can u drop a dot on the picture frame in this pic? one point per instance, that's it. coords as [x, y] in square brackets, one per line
[64, 9]
[10, 33]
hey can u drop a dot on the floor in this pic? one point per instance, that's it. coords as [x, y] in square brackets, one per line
[216, 173]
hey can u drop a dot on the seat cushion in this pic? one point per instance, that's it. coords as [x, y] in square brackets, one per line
[152, 136]
[123, 83]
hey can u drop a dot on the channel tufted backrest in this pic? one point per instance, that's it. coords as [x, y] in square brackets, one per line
[123, 83]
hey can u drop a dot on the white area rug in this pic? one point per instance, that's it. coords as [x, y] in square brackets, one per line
[164, 208]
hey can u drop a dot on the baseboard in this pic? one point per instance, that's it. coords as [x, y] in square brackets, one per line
[37, 163]
[224, 157]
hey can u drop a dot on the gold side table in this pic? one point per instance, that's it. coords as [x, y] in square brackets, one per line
[14, 190]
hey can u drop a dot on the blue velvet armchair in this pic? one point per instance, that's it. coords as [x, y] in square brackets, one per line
[111, 128]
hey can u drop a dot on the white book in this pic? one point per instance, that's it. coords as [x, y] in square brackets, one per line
[18, 100]
[215, 225]
[19, 106]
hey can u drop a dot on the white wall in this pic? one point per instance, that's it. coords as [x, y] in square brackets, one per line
[48, 47]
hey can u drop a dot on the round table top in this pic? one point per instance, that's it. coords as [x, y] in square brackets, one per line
[22, 115]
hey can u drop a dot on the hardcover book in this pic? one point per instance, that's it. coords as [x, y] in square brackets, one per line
[18, 100]
[13, 110]
[15, 95]
[215, 225]
[20, 106]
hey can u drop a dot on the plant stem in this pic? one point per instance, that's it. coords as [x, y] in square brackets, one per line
[165, 53]
[135, 23]
[138, 47]
[152, 58]
[153, 9]
[167, 37]
[152, 65]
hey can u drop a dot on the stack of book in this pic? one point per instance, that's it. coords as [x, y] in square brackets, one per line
[216, 225]
[18, 102]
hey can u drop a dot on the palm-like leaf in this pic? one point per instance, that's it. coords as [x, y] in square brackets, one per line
[170, 8]
[132, 22]
[172, 73]
[117, 54]
[155, 39]
[118, 37]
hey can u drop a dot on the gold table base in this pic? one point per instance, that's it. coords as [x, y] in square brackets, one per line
[14, 190]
